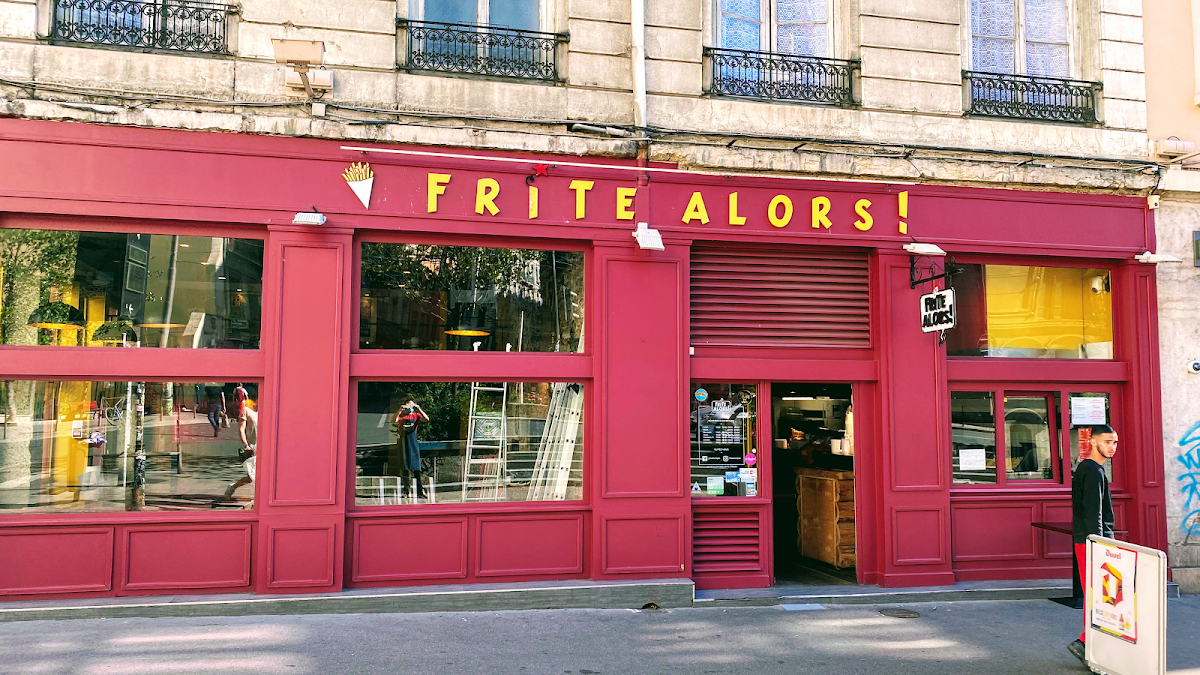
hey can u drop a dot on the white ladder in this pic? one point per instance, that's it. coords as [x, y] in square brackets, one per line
[487, 442]
[556, 451]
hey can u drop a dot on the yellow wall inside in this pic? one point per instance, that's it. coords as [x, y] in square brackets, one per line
[1046, 308]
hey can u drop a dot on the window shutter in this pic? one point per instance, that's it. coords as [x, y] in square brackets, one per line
[779, 296]
[1046, 38]
[741, 25]
[993, 34]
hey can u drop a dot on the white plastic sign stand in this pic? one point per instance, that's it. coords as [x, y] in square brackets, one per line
[1125, 608]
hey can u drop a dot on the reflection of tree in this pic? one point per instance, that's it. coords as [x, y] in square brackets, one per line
[444, 402]
[439, 268]
[30, 262]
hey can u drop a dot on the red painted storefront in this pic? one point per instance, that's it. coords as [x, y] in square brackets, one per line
[635, 519]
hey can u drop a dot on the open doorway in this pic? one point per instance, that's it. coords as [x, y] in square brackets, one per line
[812, 453]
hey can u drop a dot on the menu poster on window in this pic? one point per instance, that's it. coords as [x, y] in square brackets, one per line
[1088, 410]
[972, 459]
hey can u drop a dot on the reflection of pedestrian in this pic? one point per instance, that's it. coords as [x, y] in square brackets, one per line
[1091, 509]
[239, 400]
[248, 434]
[214, 395]
[408, 420]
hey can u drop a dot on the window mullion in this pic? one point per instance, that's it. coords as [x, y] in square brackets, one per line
[1001, 439]
[1019, 37]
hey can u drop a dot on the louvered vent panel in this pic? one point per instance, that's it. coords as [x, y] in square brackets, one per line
[779, 297]
[726, 541]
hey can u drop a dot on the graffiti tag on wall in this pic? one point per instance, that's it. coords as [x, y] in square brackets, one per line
[1190, 479]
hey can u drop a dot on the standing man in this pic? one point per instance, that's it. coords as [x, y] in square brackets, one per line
[1091, 509]
[407, 421]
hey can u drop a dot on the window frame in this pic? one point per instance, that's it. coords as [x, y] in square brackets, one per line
[1118, 310]
[1060, 433]
[434, 365]
[769, 26]
[1020, 66]
[157, 364]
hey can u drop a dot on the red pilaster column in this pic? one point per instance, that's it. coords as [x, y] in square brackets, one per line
[913, 462]
[300, 488]
[641, 508]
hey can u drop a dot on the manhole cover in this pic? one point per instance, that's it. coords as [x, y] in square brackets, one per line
[897, 613]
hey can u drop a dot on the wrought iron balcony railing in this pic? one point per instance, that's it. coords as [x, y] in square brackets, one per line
[482, 50]
[781, 77]
[178, 25]
[1053, 99]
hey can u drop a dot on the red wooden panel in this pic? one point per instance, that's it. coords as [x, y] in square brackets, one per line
[778, 296]
[387, 550]
[181, 556]
[56, 560]
[301, 556]
[727, 541]
[532, 545]
[643, 545]
[919, 456]
[993, 532]
[642, 410]
[919, 536]
[1057, 544]
[309, 384]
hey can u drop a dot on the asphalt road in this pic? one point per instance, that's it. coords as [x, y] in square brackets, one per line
[979, 638]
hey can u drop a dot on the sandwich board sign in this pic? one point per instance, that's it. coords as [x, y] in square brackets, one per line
[937, 311]
[1125, 608]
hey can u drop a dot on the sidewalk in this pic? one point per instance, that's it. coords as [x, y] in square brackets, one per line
[578, 594]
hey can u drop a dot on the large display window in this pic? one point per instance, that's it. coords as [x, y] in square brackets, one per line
[82, 446]
[94, 289]
[418, 296]
[455, 442]
[1032, 312]
[724, 433]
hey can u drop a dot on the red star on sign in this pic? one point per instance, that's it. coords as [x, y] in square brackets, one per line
[540, 170]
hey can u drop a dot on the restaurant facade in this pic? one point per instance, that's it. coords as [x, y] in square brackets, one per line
[241, 363]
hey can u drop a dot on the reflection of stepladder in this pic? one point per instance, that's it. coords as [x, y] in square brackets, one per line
[487, 441]
[556, 451]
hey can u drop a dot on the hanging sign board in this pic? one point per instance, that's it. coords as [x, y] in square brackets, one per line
[1125, 608]
[937, 311]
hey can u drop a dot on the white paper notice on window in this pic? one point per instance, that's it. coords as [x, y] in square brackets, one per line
[1088, 410]
[972, 459]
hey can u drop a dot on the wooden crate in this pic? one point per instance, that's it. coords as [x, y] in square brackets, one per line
[826, 523]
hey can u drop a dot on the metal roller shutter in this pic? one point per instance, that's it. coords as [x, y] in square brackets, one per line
[779, 296]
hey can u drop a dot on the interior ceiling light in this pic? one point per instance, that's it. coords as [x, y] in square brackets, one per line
[470, 321]
[115, 331]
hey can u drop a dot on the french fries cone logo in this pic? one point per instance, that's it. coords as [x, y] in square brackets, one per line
[360, 178]
[1112, 589]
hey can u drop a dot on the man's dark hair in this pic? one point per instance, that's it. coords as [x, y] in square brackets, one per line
[1102, 429]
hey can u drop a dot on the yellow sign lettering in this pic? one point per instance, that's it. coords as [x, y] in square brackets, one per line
[903, 212]
[581, 187]
[533, 202]
[734, 218]
[820, 212]
[624, 201]
[860, 207]
[695, 210]
[773, 211]
[437, 186]
[486, 190]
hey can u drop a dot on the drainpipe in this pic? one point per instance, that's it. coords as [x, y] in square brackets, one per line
[638, 57]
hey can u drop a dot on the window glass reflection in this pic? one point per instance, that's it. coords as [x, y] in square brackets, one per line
[724, 423]
[1027, 432]
[1032, 312]
[445, 442]
[973, 437]
[84, 446]
[134, 290]
[1087, 409]
[470, 299]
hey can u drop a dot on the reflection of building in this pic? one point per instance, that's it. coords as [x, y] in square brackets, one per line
[784, 213]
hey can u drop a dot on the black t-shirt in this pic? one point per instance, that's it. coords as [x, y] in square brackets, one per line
[1091, 502]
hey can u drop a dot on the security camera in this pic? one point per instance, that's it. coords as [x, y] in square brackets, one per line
[1099, 284]
[1193, 367]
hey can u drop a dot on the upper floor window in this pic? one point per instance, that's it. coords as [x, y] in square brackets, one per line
[72, 288]
[1029, 37]
[518, 14]
[416, 296]
[798, 27]
[499, 38]
[177, 25]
